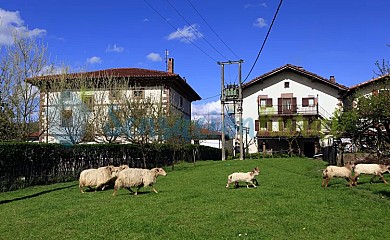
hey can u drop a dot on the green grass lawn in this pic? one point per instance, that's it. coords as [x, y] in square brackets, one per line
[193, 203]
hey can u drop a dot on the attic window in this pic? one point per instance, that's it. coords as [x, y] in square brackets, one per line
[286, 84]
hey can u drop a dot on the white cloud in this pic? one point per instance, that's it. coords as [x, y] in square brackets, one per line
[208, 110]
[260, 23]
[155, 57]
[114, 48]
[145, 20]
[11, 23]
[94, 60]
[186, 34]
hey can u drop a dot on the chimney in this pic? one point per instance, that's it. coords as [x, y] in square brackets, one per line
[332, 79]
[170, 65]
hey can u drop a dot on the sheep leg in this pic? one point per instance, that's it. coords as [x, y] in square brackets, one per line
[372, 179]
[136, 192]
[228, 183]
[327, 181]
[355, 179]
[81, 189]
[349, 181]
[131, 191]
[253, 184]
[154, 190]
[383, 179]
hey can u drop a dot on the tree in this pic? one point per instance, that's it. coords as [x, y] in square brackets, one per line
[26, 57]
[367, 123]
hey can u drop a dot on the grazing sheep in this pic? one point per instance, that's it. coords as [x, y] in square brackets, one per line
[372, 169]
[341, 172]
[137, 177]
[247, 177]
[100, 177]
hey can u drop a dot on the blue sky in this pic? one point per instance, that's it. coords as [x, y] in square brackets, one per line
[340, 38]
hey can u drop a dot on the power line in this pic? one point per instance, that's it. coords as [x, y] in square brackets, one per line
[199, 34]
[210, 97]
[265, 40]
[189, 40]
[204, 20]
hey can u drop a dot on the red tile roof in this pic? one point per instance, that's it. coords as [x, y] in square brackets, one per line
[374, 80]
[116, 72]
[298, 70]
[132, 74]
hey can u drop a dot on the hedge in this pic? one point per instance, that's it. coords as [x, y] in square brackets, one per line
[29, 164]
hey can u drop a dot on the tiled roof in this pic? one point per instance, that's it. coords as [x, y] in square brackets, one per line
[115, 72]
[298, 70]
[374, 80]
[136, 74]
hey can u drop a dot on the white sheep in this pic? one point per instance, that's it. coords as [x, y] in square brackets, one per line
[247, 177]
[137, 177]
[372, 169]
[99, 178]
[335, 171]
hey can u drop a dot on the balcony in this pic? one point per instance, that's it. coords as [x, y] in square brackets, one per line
[289, 110]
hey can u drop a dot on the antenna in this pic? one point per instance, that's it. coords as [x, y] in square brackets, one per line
[166, 59]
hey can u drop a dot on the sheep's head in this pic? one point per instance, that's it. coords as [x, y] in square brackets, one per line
[160, 171]
[350, 165]
[256, 171]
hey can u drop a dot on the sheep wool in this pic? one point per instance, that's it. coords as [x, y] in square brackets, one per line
[137, 177]
[340, 172]
[371, 169]
[98, 178]
[247, 177]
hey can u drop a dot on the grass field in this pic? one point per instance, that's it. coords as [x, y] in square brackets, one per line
[193, 203]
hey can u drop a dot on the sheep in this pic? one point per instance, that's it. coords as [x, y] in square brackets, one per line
[100, 177]
[247, 177]
[335, 171]
[137, 177]
[372, 169]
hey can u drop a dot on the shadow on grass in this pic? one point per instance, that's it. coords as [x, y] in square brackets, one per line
[384, 193]
[36, 194]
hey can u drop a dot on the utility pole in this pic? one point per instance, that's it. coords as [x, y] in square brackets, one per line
[223, 98]
[240, 111]
[230, 94]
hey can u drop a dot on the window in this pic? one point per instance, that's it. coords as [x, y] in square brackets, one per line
[311, 102]
[263, 124]
[263, 102]
[286, 103]
[66, 118]
[181, 101]
[308, 102]
[88, 102]
[138, 93]
[286, 84]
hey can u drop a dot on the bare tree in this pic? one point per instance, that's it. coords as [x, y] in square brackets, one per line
[25, 58]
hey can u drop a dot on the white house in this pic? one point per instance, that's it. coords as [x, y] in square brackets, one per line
[72, 103]
[284, 108]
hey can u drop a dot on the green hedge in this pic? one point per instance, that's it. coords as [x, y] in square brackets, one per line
[28, 164]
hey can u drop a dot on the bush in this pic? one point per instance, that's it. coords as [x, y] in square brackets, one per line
[28, 164]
